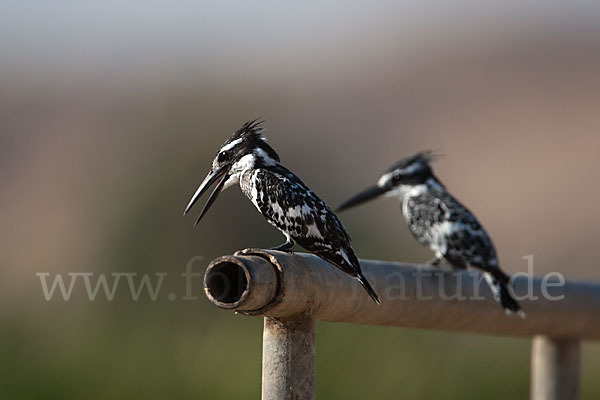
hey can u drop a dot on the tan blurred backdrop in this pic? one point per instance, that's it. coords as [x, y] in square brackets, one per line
[111, 112]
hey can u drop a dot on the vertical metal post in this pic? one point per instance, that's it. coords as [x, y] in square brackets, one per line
[555, 368]
[288, 359]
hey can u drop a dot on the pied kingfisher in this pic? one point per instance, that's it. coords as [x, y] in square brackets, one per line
[282, 198]
[439, 221]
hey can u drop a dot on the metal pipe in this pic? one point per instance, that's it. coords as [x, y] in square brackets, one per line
[555, 368]
[241, 283]
[288, 360]
[281, 285]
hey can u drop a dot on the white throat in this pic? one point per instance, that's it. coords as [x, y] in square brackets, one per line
[405, 191]
[238, 168]
[247, 163]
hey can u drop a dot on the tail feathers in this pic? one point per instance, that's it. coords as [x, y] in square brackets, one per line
[346, 261]
[502, 295]
[509, 303]
[365, 283]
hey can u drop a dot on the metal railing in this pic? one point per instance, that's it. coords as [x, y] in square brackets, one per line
[291, 291]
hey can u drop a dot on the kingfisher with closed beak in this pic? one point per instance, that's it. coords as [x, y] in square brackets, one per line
[437, 220]
[282, 198]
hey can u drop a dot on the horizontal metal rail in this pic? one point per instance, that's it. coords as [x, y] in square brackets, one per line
[281, 285]
[293, 290]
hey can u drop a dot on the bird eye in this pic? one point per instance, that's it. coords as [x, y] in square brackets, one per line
[222, 157]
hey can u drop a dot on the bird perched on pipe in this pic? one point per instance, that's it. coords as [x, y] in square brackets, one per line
[282, 198]
[439, 221]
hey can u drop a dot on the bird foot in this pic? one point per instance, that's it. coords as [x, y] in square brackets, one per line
[286, 247]
[434, 262]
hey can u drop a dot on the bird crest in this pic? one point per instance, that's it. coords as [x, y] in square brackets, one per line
[250, 131]
[426, 157]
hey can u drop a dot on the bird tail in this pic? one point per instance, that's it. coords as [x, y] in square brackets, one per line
[498, 284]
[365, 283]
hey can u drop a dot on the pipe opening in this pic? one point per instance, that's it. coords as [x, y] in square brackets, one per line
[226, 282]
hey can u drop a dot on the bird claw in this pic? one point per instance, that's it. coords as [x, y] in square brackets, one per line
[282, 248]
[286, 247]
[434, 262]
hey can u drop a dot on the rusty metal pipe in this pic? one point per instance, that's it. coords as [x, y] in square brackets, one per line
[288, 370]
[555, 368]
[281, 285]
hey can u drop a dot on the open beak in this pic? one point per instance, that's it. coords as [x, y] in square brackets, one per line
[220, 176]
[362, 197]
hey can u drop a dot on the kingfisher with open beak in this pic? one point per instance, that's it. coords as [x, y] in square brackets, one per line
[282, 198]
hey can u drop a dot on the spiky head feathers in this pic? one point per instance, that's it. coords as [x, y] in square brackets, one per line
[246, 141]
[412, 170]
[245, 150]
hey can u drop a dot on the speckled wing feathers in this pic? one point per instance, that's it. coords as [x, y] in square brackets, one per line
[438, 220]
[288, 204]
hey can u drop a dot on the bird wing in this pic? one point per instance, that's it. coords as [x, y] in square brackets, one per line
[467, 242]
[292, 207]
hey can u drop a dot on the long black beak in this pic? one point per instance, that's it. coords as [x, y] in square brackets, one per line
[219, 175]
[362, 197]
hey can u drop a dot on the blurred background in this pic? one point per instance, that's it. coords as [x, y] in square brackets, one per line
[110, 114]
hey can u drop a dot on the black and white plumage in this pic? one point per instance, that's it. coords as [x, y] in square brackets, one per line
[282, 198]
[437, 220]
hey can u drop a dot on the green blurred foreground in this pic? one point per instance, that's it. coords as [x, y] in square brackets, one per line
[172, 351]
